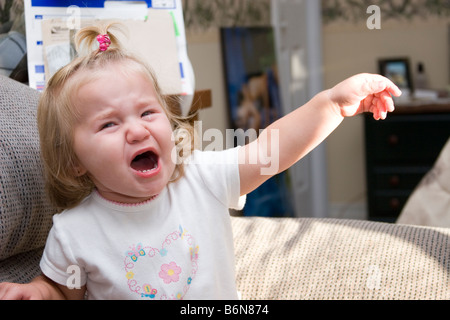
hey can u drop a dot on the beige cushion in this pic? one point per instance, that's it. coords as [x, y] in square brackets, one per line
[25, 213]
[429, 204]
[340, 259]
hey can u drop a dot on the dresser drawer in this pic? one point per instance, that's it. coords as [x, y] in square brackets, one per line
[397, 178]
[407, 139]
[388, 205]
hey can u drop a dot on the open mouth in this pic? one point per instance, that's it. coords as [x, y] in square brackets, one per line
[145, 162]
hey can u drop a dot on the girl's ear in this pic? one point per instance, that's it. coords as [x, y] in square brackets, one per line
[79, 170]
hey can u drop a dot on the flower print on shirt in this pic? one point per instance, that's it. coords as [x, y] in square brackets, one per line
[170, 272]
[165, 272]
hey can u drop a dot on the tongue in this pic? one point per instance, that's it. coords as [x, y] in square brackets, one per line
[146, 161]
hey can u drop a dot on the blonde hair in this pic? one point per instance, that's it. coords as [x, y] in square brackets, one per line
[57, 115]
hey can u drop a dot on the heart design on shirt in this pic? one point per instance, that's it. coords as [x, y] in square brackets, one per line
[164, 272]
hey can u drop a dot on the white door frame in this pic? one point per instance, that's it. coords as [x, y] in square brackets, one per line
[298, 36]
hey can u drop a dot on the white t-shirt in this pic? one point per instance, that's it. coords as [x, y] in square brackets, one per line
[176, 246]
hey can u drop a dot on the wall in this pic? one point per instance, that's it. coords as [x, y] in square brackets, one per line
[349, 48]
[204, 51]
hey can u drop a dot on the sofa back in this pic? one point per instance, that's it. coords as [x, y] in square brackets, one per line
[25, 212]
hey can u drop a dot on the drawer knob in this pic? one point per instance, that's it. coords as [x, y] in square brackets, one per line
[393, 140]
[394, 181]
[394, 204]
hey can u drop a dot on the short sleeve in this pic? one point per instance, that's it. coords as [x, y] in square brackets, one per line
[58, 262]
[220, 173]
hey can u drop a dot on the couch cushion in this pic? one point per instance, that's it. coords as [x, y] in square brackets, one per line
[25, 212]
[21, 268]
[429, 204]
[307, 258]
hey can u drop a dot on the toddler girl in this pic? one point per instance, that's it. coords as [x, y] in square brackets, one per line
[144, 215]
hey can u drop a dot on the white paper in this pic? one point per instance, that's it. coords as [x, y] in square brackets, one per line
[77, 12]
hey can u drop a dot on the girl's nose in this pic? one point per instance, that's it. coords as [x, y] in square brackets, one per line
[137, 133]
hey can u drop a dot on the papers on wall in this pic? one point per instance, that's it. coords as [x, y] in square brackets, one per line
[155, 32]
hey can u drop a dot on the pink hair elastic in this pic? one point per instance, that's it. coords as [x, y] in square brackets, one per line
[104, 41]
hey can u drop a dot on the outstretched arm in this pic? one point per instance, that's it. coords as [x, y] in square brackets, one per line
[290, 138]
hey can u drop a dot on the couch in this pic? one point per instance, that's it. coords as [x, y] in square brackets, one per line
[276, 258]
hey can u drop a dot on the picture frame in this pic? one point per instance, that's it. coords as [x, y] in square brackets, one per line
[398, 71]
[253, 97]
[250, 69]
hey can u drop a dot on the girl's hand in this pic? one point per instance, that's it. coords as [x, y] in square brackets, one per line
[15, 291]
[41, 288]
[364, 93]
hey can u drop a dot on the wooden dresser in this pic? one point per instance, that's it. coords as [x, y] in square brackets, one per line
[400, 151]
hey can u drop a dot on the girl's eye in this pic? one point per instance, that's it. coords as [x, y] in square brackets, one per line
[147, 113]
[107, 125]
